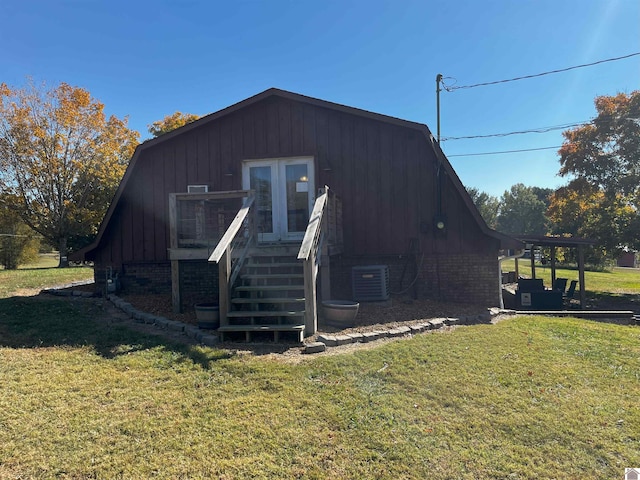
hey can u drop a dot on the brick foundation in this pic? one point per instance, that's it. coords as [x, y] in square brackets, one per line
[462, 278]
[198, 280]
[135, 278]
[141, 278]
[198, 283]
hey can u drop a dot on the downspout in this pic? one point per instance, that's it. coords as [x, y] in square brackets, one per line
[500, 260]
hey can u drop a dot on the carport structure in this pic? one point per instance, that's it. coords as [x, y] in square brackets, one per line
[533, 241]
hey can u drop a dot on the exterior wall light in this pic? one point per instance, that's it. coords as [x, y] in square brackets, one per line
[440, 224]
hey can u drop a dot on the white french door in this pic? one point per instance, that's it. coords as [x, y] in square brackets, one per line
[284, 196]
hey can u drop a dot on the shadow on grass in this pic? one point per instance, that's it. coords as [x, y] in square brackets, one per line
[613, 301]
[50, 267]
[42, 321]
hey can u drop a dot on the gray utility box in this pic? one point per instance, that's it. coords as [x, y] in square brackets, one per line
[370, 283]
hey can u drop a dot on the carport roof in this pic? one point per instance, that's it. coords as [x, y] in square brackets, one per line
[548, 241]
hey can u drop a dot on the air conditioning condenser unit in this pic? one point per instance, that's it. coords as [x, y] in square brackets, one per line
[370, 283]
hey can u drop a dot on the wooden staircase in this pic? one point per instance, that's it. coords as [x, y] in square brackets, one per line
[267, 301]
[271, 290]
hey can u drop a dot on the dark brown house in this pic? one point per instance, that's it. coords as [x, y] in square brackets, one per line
[202, 210]
[627, 258]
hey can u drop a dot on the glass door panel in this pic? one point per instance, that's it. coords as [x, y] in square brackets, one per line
[284, 195]
[296, 198]
[261, 181]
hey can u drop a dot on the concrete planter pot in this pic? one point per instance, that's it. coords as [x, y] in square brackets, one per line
[339, 313]
[208, 315]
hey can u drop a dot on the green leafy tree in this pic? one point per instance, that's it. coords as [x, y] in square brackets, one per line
[522, 211]
[62, 158]
[604, 158]
[543, 194]
[487, 205]
[171, 122]
[18, 243]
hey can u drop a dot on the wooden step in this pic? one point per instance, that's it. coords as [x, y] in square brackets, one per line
[241, 300]
[289, 249]
[252, 264]
[264, 313]
[269, 288]
[249, 329]
[274, 268]
[260, 276]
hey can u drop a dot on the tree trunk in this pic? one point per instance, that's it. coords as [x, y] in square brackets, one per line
[62, 247]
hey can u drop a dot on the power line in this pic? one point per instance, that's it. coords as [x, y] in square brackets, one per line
[453, 87]
[518, 132]
[543, 129]
[505, 151]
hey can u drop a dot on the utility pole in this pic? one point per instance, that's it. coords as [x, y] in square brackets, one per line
[438, 81]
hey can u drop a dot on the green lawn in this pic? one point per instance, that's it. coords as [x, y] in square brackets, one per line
[616, 280]
[528, 398]
[41, 274]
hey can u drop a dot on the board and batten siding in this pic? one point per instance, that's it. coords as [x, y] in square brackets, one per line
[385, 174]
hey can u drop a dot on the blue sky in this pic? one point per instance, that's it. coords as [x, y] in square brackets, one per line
[145, 60]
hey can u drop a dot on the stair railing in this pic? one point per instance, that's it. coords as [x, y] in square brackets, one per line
[231, 252]
[310, 253]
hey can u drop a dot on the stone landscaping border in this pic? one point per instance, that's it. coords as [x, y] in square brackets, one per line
[434, 324]
[322, 340]
[139, 316]
[163, 323]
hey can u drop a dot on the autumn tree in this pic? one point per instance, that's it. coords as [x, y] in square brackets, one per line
[171, 122]
[62, 158]
[603, 156]
[582, 210]
[573, 208]
[487, 205]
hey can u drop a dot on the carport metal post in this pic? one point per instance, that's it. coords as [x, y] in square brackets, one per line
[533, 261]
[583, 292]
[553, 265]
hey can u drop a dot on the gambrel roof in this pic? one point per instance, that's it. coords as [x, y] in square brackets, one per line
[505, 241]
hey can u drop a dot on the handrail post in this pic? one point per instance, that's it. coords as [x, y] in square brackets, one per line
[310, 314]
[309, 253]
[224, 273]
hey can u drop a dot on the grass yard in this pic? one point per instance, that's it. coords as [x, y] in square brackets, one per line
[616, 280]
[528, 398]
[29, 279]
